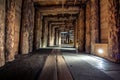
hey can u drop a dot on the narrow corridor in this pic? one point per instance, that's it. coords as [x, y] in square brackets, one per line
[59, 39]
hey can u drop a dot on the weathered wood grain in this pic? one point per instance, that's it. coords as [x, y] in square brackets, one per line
[2, 32]
[94, 24]
[81, 30]
[63, 71]
[26, 41]
[88, 28]
[49, 71]
[55, 68]
[10, 32]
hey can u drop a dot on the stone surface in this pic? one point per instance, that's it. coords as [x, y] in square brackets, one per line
[27, 27]
[2, 32]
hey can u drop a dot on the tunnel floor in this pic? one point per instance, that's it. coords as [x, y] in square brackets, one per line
[59, 64]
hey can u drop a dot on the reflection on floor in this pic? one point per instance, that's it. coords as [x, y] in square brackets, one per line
[88, 67]
[79, 66]
[67, 45]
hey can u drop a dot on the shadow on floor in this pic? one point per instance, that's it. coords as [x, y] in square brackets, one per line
[25, 67]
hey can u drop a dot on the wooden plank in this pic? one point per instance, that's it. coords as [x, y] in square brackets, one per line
[55, 68]
[63, 71]
[49, 71]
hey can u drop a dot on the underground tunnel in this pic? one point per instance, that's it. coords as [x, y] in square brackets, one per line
[59, 39]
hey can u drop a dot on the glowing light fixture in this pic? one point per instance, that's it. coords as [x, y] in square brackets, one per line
[100, 51]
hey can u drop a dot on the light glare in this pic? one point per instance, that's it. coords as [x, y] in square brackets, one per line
[100, 51]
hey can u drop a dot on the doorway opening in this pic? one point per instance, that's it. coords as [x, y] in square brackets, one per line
[67, 38]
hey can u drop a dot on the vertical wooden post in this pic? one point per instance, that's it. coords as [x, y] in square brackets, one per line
[45, 33]
[75, 35]
[10, 30]
[94, 23]
[88, 28]
[37, 30]
[27, 28]
[81, 31]
[114, 31]
[59, 32]
[2, 33]
[17, 21]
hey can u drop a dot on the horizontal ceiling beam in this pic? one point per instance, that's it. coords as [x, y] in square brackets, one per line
[59, 19]
[56, 11]
[49, 3]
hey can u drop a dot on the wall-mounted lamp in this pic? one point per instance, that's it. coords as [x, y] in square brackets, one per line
[100, 51]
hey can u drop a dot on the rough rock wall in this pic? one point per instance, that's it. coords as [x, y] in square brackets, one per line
[114, 31]
[2, 32]
[94, 24]
[104, 21]
[81, 30]
[37, 30]
[88, 28]
[27, 27]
